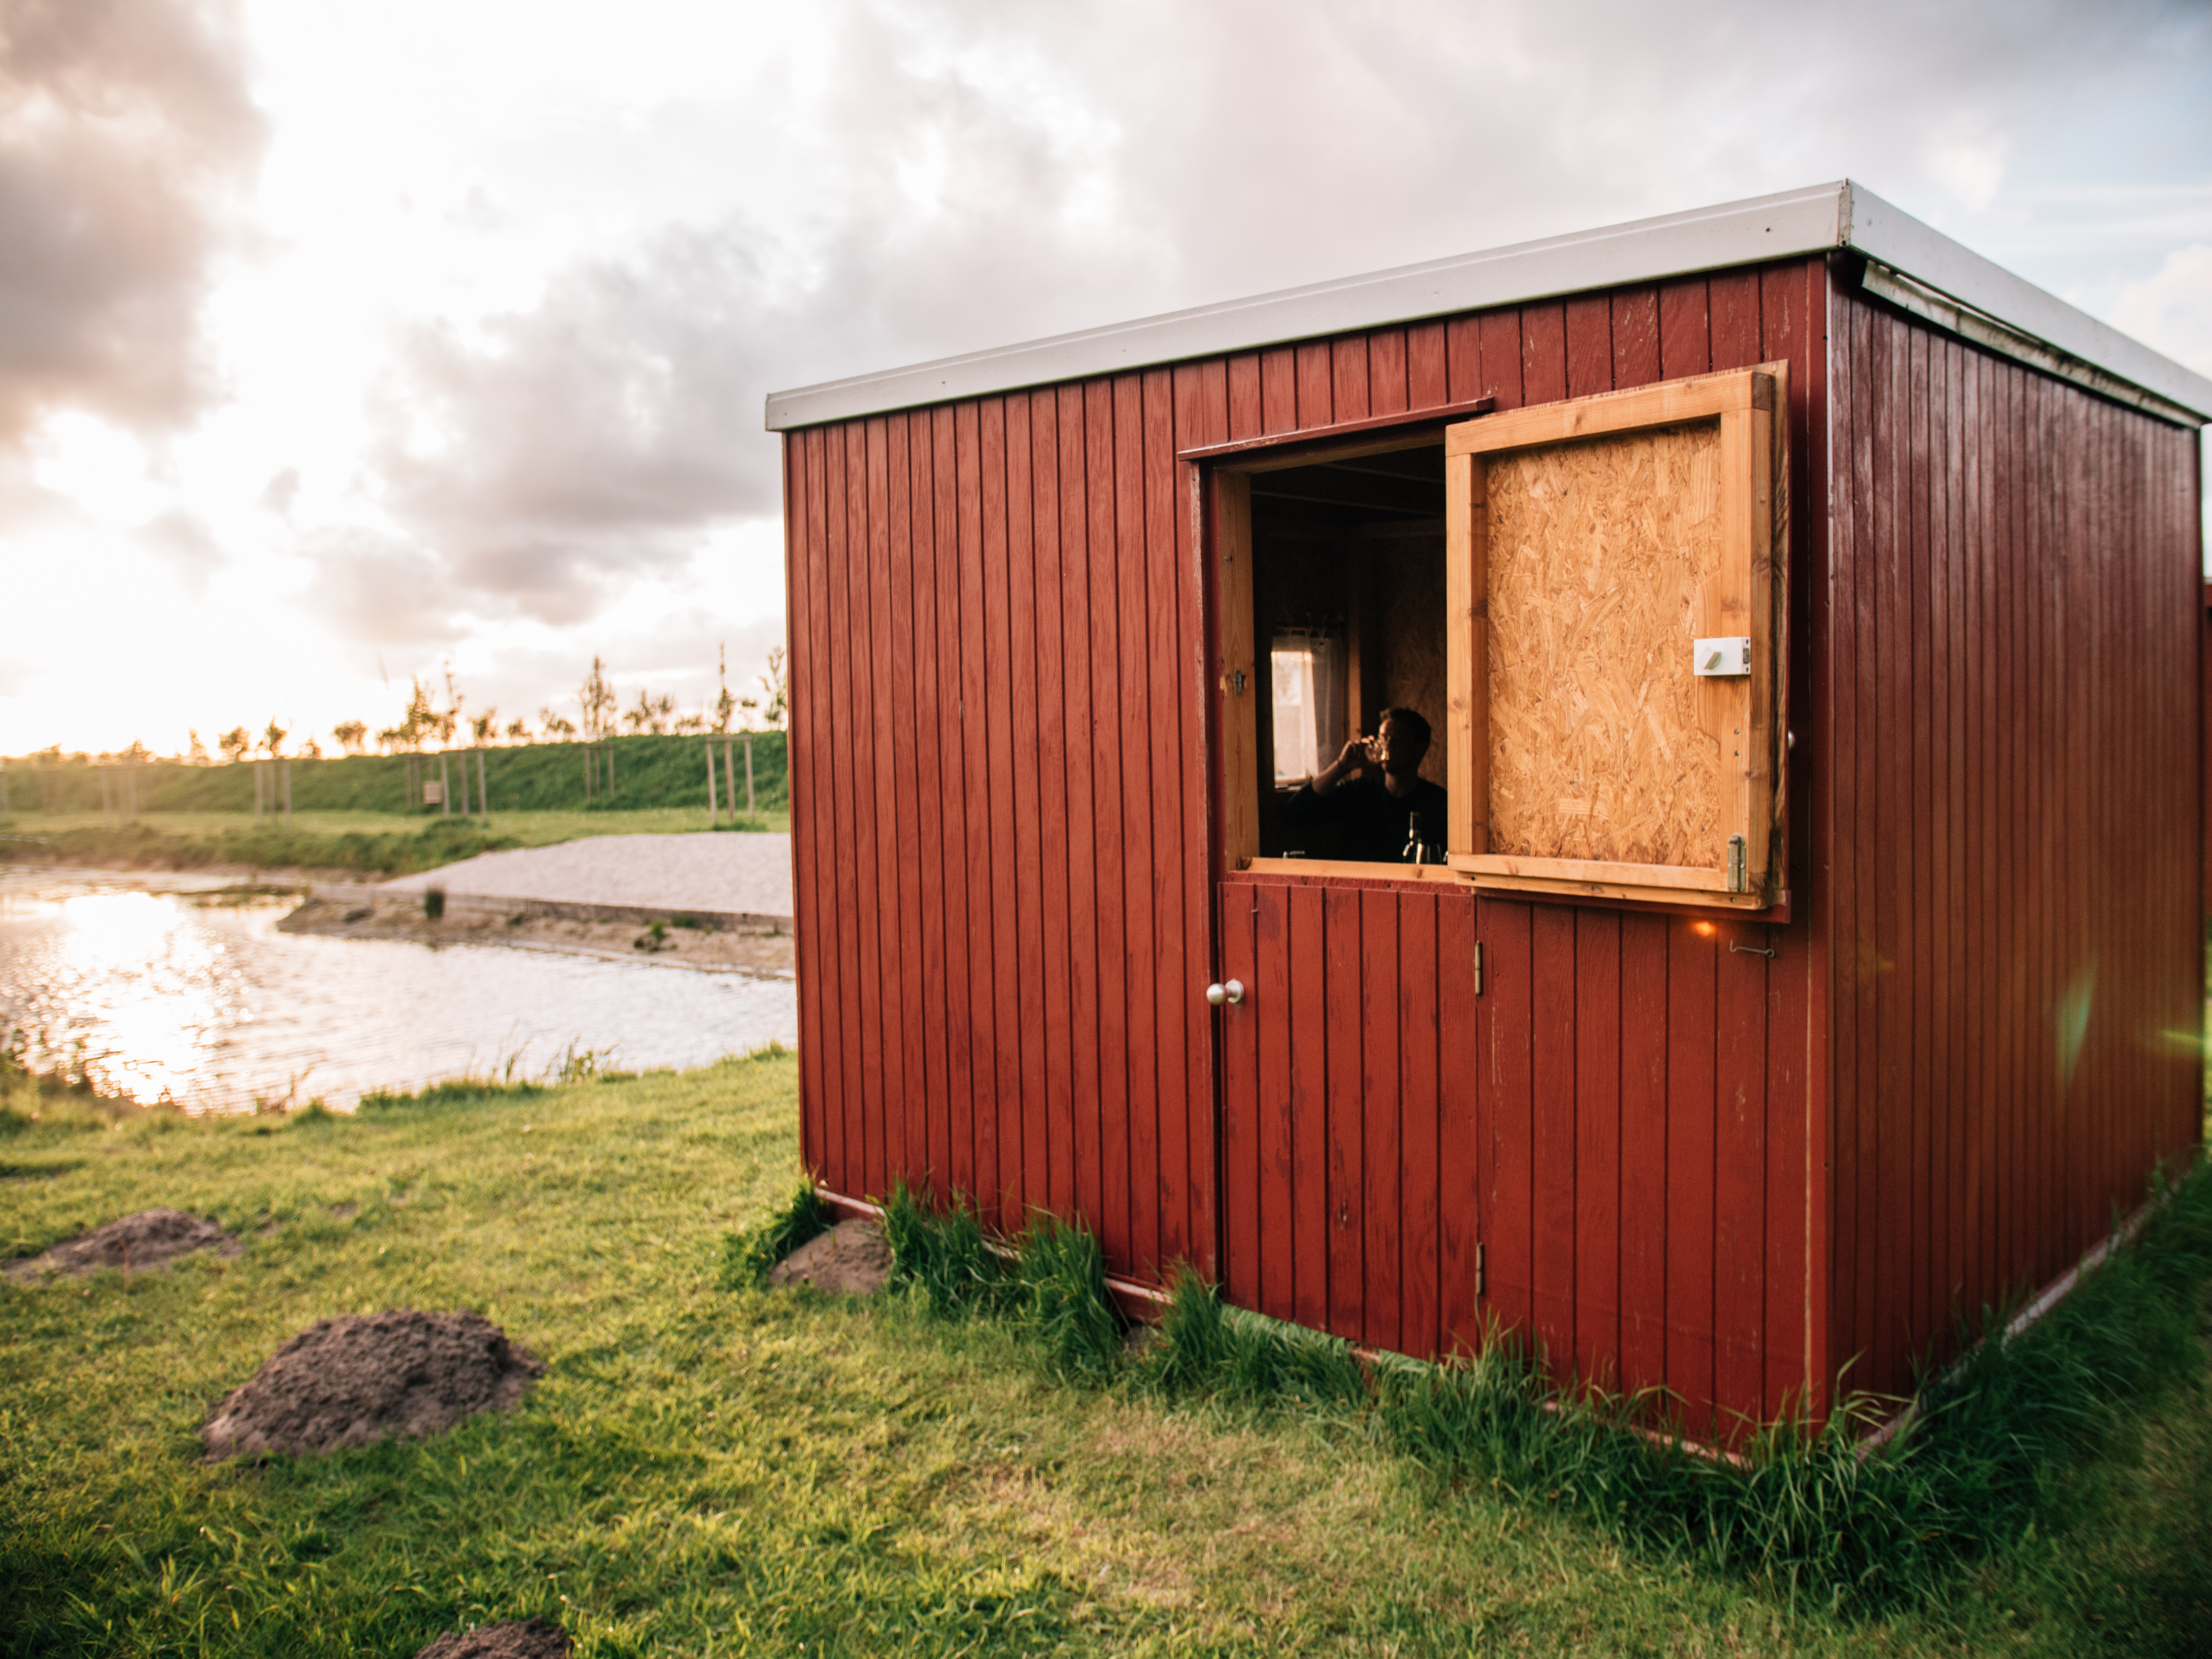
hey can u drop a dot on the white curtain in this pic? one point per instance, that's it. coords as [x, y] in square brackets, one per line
[1309, 703]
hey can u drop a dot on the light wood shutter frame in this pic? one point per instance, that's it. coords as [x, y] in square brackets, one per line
[1746, 595]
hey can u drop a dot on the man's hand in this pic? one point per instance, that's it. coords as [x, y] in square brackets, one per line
[1354, 758]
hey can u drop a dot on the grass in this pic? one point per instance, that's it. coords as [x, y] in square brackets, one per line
[372, 842]
[709, 1468]
[649, 772]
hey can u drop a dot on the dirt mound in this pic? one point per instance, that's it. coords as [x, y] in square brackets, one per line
[853, 1258]
[364, 1377]
[151, 1238]
[523, 1638]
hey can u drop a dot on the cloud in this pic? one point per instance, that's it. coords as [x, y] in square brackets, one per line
[382, 589]
[2172, 310]
[550, 454]
[185, 547]
[127, 141]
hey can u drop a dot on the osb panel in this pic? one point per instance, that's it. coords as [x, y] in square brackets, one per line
[1597, 552]
[1409, 586]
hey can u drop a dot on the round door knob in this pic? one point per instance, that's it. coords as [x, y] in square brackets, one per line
[1230, 991]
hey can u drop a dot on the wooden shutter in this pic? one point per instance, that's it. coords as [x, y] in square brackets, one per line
[1591, 543]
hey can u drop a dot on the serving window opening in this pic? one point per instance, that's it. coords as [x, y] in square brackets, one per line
[1343, 594]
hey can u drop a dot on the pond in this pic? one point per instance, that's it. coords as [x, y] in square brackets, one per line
[169, 989]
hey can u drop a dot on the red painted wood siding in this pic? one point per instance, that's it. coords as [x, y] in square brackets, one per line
[1002, 853]
[999, 814]
[1622, 1121]
[2013, 605]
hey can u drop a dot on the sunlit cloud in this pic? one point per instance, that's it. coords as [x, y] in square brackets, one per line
[341, 342]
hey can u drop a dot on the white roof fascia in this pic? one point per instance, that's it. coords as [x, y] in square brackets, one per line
[1766, 227]
[1897, 239]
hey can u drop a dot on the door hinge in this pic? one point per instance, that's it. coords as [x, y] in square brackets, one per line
[1737, 880]
[1481, 1286]
[1478, 967]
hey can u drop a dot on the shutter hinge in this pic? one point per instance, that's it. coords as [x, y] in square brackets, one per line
[1480, 1286]
[1737, 880]
[1478, 967]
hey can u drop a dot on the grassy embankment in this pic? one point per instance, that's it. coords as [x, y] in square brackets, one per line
[352, 813]
[710, 1469]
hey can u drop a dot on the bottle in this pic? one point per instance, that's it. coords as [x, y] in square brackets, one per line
[1417, 844]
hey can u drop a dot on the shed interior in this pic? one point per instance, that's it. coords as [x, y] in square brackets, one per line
[1348, 608]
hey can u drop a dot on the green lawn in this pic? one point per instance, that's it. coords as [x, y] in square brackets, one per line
[371, 844]
[713, 1471]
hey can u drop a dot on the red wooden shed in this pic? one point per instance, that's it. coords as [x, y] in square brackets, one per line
[1767, 1014]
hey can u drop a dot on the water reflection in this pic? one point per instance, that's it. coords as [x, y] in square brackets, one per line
[206, 1003]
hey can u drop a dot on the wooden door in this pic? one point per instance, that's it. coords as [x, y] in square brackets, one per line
[1349, 1107]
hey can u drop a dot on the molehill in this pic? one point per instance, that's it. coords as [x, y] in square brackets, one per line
[151, 1238]
[365, 1377]
[521, 1638]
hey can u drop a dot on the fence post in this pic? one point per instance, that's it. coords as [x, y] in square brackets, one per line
[288, 789]
[484, 798]
[445, 788]
[714, 811]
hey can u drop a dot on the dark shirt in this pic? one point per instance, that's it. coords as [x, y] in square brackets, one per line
[1375, 821]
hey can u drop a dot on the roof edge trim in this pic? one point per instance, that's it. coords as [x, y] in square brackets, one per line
[1821, 217]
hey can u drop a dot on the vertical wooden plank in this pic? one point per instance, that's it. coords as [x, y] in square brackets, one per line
[1315, 374]
[1918, 880]
[1732, 297]
[1107, 762]
[1181, 933]
[1589, 345]
[887, 844]
[928, 1146]
[1501, 370]
[1552, 1134]
[1644, 1182]
[1348, 1034]
[1386, 1035]
[1870, 409]
[1388, 384]
[1206, 422]
[1686, 345]
[1464, 366]
[1277, 986]
[1247, 397]
[1543, 354]
[1426, 384]
[1064, 1050]
[1349, 396]
[1597, 1130]
[1309, 1101]
[1000, 875]
[1953, 645]
[906, 1153]
[1141, 943]
[1692, 1011]
[1636, 338]
[815, 916]
[1467, 1101]
[1505, 1086]
[1420, 1243]
[1891, 798]
[1740, 1176]
[953, 629]
[1029, 826]
[1245, 1100]
[1278, 390]
[1076, 557]
[854, 982]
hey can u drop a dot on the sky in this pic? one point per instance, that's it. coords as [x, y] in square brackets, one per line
[344, 342]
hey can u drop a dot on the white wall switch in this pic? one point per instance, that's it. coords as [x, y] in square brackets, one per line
[1723, 658]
